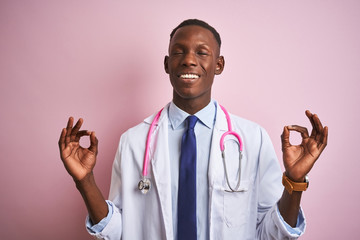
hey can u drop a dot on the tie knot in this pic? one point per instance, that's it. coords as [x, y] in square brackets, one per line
[191, 121]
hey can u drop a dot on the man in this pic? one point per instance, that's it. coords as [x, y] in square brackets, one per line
[254, 211]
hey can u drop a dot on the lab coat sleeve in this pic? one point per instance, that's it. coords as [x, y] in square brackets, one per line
[270, 224]
[274, 227]
[113, 229]
[101, 225]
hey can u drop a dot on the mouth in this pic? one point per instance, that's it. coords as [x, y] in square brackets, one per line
[188, 76]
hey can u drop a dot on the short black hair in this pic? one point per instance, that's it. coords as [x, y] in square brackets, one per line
[200, 23]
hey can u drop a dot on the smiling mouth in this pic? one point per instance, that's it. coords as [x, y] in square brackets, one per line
[189, 76]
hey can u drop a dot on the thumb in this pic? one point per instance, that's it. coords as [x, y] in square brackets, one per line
[285, 142]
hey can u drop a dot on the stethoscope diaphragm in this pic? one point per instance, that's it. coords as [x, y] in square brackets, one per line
[144, 185]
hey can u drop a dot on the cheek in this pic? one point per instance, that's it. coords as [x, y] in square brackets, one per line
[209, 68]
[172, 67]
[209, 64]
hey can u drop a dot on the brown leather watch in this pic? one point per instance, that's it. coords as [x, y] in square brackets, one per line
[291, 186]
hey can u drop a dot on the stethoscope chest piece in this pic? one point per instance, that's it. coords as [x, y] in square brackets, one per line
[144, 185]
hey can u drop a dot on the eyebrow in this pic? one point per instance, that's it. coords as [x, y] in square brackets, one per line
[183, 45]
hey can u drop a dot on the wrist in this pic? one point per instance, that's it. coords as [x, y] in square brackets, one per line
[295, 178]
[85, 182]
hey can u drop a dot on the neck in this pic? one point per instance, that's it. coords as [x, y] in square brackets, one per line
[191, 106]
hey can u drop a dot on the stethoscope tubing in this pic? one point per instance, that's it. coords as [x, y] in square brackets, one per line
[229, 132]
[148, 140]
[145, 184]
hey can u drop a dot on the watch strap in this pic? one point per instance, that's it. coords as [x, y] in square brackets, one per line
[291, 186]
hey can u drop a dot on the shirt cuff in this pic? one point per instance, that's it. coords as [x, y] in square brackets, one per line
[299, 229]
[97, 228]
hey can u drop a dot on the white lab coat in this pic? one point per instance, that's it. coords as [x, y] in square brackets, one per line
[245, 215]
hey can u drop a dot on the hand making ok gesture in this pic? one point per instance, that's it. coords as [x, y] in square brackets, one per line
[77, 160]
[299, 159]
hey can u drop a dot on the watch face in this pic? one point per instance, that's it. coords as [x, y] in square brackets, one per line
[307, 181]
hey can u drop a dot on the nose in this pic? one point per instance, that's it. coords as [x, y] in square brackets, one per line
[189, 59]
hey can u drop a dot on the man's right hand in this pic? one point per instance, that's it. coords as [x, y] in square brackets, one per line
[78, 161]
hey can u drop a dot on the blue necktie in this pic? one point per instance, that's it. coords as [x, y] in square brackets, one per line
[187, 184]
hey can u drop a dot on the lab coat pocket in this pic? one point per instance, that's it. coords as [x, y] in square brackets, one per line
[236, 206]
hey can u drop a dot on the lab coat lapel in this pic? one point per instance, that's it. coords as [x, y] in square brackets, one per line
[216, 176]
[215, 162]
[160, 165]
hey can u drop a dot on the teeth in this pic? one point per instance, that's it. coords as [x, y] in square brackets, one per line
[191, 76]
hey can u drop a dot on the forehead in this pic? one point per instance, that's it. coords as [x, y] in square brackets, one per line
[194, 34]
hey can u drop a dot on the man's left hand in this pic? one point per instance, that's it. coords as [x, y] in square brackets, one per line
[299, 159]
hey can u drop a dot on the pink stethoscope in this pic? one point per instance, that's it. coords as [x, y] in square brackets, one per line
[145, 184]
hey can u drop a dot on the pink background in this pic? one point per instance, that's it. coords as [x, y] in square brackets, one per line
[103, 61]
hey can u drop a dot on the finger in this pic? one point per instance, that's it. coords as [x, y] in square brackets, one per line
[319, 127]
[68, 130]
[93, 143]
[302, 130]
[285, 142]
[323, 139]
[76, 129]
[81, 134]
[310, 116]
[62, 139]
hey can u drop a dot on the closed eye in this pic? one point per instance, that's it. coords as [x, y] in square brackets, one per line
[203, 53]
[177, 53]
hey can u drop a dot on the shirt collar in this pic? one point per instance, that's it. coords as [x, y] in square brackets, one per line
[205, 115]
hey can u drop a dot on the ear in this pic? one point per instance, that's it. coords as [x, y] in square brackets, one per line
[166, 60]
[220, 64]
